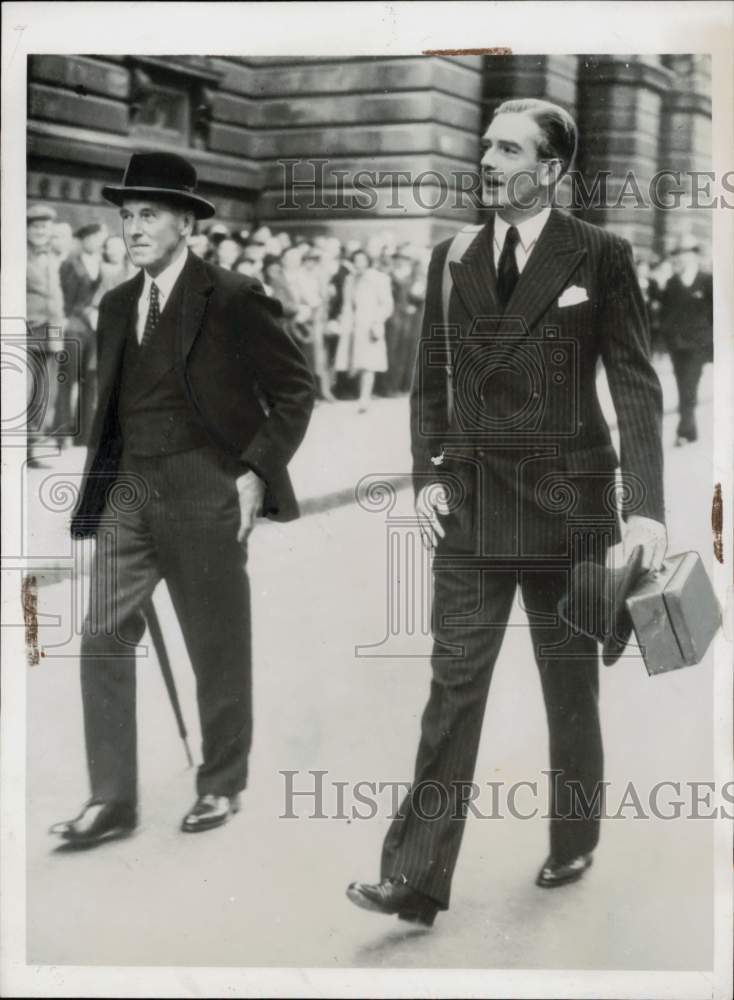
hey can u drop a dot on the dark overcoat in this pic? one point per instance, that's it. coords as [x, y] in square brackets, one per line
[246, 381]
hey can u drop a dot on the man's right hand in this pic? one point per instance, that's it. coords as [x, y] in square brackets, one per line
[431, 502]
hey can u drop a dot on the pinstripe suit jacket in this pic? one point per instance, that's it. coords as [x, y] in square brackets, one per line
[527, 453]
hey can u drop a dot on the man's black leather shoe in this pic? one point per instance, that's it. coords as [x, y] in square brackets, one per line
[97, 822]
[394, 896]
[554, 873]
[209, 811]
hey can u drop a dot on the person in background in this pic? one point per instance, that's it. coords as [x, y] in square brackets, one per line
[249, 262]
[272, 275]
[311, 291]
[215, 234]
[687, 327]
[261, 236]
[345, 384]
[116, 264]
[62, 240]
[283, 281]
[228, 251]
[368, 304]
[45, 321]
[199, 244]
[334, 273]
[645, 267]
[400, 329]
[81, 277]
[284, 240]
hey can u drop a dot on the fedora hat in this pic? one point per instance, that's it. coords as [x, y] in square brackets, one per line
[595, 603]
[160, 176]
[89, 230]
[686, 243]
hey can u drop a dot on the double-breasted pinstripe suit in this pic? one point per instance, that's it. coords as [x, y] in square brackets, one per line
[529, 465]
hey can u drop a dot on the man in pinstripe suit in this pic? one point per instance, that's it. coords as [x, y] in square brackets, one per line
[514, 475]
[203, 399]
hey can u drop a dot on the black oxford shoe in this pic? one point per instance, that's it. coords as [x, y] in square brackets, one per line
[555, 873]
[209, 811]
[394, 896]
[97, 822]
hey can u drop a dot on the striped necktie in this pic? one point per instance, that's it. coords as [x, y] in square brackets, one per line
[154, 314]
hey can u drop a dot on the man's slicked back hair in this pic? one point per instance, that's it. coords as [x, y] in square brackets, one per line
[558, 129]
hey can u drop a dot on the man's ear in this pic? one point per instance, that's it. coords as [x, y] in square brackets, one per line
[188, 220]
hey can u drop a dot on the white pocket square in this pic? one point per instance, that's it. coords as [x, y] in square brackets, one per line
[572, 296]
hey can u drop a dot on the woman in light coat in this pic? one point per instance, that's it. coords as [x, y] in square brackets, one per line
[368, 304]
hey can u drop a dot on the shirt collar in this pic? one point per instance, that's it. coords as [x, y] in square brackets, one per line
[529, 229]
[166, 279]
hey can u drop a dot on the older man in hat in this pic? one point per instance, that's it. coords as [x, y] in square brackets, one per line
[45, 319]
[81, 277]
[203, 399]
[687, 327]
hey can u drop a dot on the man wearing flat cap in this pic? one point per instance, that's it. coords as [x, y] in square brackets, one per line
[203, 399]
[45, 320]
[80, 276]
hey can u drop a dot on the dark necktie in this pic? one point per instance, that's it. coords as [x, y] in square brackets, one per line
[154, 314]
[507, 272]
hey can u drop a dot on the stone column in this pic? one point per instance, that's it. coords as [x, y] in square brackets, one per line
[686, 148]
[620, 102]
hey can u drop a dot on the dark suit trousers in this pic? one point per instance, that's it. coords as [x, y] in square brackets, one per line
[172, 517]
[688, 366]
[471, 609]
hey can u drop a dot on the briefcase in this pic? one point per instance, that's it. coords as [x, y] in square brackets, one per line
[675, 614]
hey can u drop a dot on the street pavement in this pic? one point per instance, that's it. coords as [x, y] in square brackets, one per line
[268, 891]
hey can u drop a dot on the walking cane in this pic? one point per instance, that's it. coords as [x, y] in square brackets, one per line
[156, 635]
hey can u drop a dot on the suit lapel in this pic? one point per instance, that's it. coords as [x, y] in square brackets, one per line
[474, 277]
[553, 260]
[196, 288]
[114, 335]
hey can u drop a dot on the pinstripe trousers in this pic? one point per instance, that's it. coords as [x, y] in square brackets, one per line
[470, 611]
[173, 517]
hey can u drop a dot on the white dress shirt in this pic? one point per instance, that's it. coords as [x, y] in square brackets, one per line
[529, 231]
[165, 282]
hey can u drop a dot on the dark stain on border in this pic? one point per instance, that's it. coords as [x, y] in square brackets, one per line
[29, 598]
[500, 50]
[717, 522]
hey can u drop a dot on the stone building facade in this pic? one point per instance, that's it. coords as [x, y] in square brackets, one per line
[372, 143]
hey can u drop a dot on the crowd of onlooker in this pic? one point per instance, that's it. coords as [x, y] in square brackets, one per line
[354, 308]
